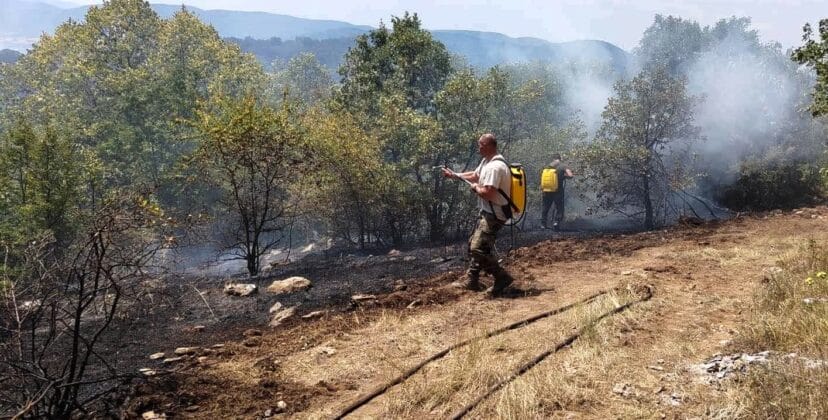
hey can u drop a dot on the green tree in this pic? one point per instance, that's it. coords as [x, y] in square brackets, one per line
[350, 177]
[40, 180]
[638, 158]
[390, 80]
[405, 58]
[673, 43]
[304, 78]
[814, 54]
[253, 154]
[119, 81]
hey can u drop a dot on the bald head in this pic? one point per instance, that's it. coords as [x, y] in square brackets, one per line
[487, 145]
[489, 138]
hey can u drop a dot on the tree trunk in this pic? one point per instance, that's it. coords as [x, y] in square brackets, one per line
[649, 223]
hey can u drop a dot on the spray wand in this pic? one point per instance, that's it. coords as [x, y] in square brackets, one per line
[453, 174]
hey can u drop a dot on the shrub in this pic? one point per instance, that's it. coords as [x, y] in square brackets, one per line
[761, 186]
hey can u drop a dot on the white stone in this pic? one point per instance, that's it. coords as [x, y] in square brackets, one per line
[240, 289]
[275, 308]
[185, 350]
[282, 315]
[314, 314]
[152, 415]
[156, 356]
[147, 372]
[289, 285]
[362, 298]
[281, 406]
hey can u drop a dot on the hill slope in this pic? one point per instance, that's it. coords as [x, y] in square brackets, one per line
[643, 363]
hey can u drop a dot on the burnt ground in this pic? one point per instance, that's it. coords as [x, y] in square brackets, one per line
[252, 353]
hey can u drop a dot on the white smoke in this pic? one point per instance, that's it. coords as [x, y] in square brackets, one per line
[750, 100]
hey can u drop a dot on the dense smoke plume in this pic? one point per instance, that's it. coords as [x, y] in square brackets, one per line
[751, 102]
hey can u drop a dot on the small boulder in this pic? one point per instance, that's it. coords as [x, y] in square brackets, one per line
[152, 415]
[394, 253]
[181, 351]
[289, 285]
[156, 356]
[147, 372]
[409, 258]
[363, 298]
[240, 289]
[282, 315]
[171, 360]
[275, 308]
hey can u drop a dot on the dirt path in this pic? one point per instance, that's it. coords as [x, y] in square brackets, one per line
[632, 365]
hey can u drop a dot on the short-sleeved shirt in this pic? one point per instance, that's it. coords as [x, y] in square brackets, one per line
[494, 173]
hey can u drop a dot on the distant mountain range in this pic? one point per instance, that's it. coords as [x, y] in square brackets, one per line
[9, 56]
[22, 22]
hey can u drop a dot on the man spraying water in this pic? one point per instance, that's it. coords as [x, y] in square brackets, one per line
[487, 181]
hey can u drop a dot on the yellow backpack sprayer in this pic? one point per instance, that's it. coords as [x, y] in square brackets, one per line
[515, 210]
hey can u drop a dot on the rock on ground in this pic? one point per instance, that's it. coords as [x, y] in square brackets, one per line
[240, 289]
[289, 285]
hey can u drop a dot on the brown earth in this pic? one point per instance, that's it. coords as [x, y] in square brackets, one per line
[704, 278]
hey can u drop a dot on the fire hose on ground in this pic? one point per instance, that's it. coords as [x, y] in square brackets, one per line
[365, 399]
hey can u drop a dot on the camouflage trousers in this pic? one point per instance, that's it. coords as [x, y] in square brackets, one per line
[482, 247]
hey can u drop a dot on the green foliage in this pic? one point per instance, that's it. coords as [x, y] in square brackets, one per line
[766, 184]
[672, 43]
[536, 152]
[350, 177]
[40, 180]
[405, 58]
[640, 154]
[255, 156]
[814, 53]
[118, 82]
[304, 79]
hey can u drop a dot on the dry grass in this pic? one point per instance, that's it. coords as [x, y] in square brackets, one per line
[543, 392]
[784, 322]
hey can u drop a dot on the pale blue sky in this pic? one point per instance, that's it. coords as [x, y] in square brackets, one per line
[618, 21]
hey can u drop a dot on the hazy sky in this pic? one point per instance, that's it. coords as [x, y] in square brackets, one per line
[618, 21]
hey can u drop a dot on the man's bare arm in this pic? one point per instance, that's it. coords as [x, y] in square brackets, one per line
[487, 192]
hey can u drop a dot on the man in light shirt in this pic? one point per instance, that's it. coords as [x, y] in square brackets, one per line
[490, 176]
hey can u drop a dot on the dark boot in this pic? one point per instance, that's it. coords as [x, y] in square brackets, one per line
[471, 282]
[502, 281]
